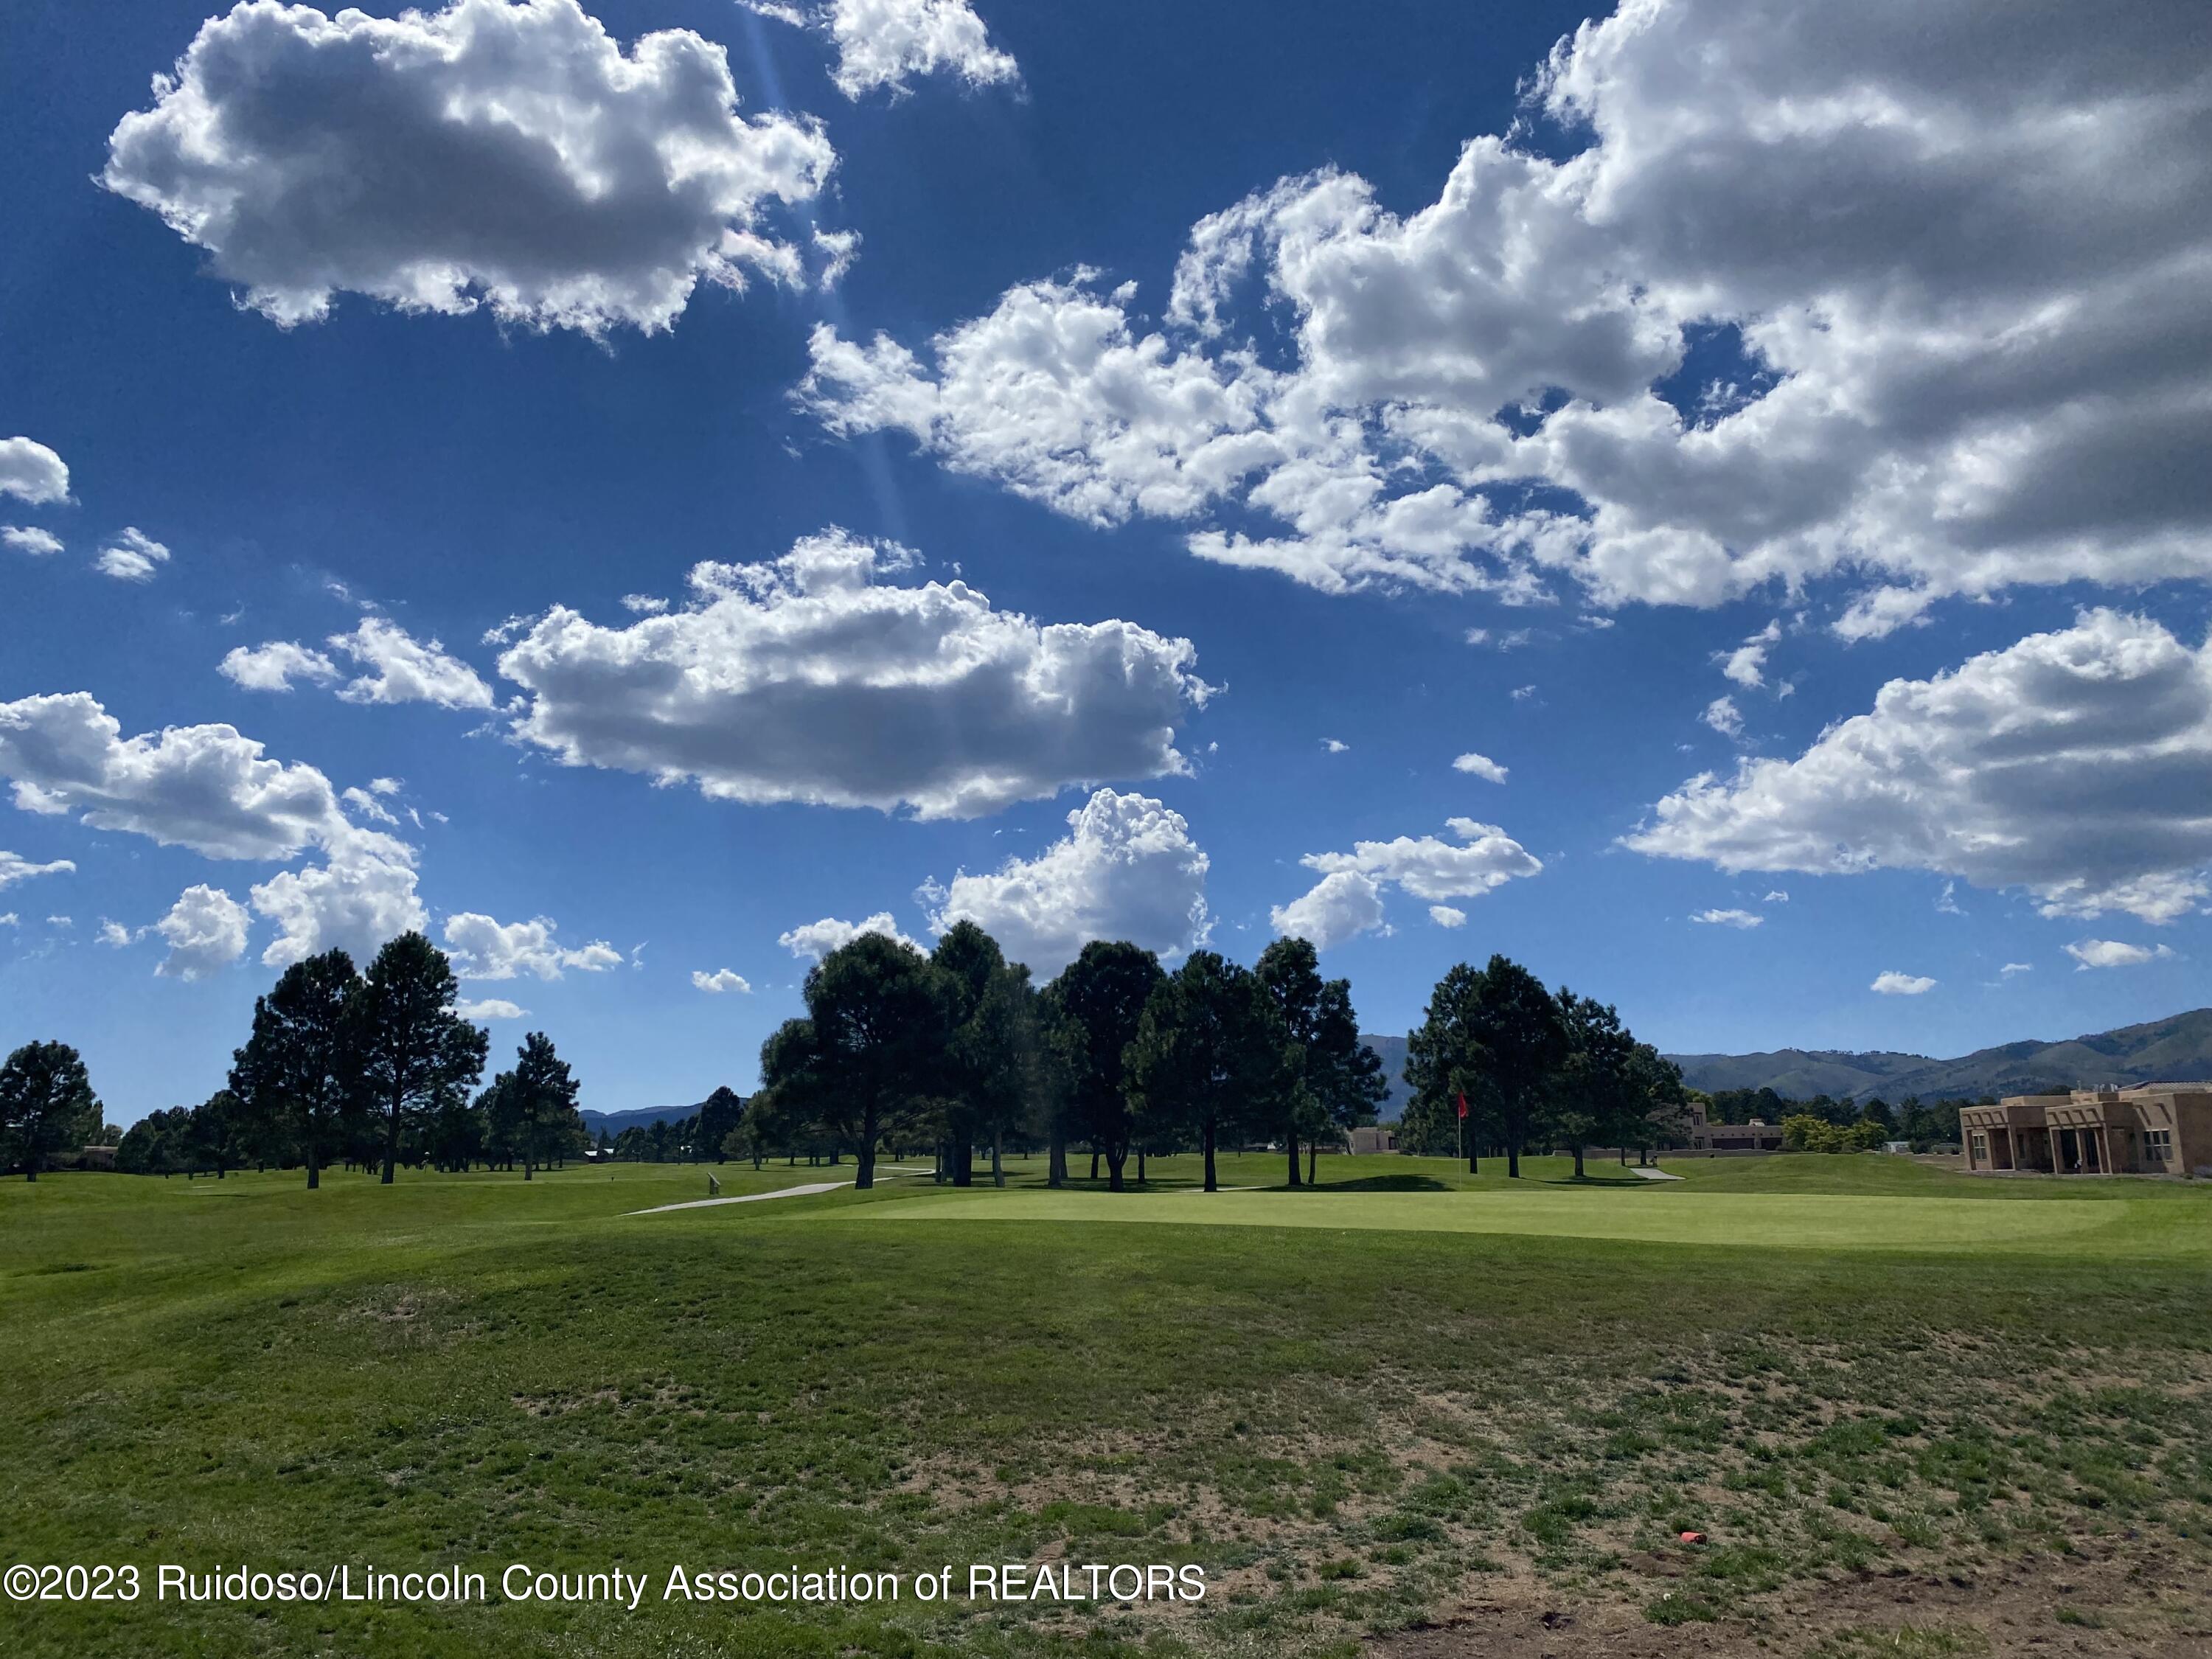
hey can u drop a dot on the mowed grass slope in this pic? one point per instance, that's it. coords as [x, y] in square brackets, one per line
[1353, 1417]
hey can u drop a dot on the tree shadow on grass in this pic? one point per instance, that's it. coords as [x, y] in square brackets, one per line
[1388, 1183]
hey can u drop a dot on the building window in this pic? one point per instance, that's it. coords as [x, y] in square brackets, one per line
[2158, 1146]
[1981, 1147]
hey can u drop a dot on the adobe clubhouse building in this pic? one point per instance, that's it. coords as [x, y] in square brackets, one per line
[2152, 1128]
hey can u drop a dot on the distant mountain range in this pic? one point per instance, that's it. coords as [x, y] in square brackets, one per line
[2175, 1049]
[643, 1118]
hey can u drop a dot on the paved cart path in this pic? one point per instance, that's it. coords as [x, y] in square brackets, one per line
[745, 1198]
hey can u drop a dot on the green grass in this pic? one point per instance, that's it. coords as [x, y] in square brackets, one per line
[1356, 1407]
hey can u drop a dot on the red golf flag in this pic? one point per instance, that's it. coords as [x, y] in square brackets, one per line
[1462, 1103]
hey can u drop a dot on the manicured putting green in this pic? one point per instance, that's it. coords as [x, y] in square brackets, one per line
[1765, 1220]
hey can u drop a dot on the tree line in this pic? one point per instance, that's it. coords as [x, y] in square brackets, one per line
[956, 1052]
[1829, 1124]
[952, 1053]
[1500, 1066]
[367, 1071]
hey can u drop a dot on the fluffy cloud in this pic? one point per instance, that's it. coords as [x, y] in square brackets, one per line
[883, 43]
[14, 867]
[397, 668]
[2012, 968]
[491, 1008]
[1894, 984]
[361, 895]
[2114, 953]
[1342, 905]
[132, 556]
[32, 472]
[1128, 869]
[1730, 918]
[1746, 666]
[274, 666]
[211, 789]
[208, 787]
[511, 155]
[484, 949]
[112, 934]
[1480, 766]
[720, 980]
[402, 669]
[1347, 900]
[1724, 717]
[40, 543]
[807, 678]
[816, 939]
[2019, 400]
[1447, 916]
[206, 931]
[2073, 764]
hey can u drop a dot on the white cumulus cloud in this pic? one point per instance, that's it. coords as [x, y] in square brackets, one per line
[885, 43]
[2114, 953]
[2073, 764]
[1340, 906]
[483, 948]
[814, 940]
[1480, 766]
[809, 678]
[720, 980]
[1347, 900]
[1894, 984]
[396, 667]
[40, 543]
[1351, 396]
[274, 666]
[506, 155]
[1128, 869]
[205, 930]
[399, 668]
[210, 788]
[14, 867]
[132, 556]
[1447, 916]
[32, 472]
[491, 1008]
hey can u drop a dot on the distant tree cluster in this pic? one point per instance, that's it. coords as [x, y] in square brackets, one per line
[367, 1072]
[1500, 1066]
[1923, 1124]
[957, 1052]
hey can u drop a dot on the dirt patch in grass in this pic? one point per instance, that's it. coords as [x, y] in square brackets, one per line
[2134, 1602]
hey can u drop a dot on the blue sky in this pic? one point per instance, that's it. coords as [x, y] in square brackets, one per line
[1496, 414]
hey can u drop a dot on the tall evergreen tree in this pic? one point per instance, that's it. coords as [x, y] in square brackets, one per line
[719, 1114]
[541, 1091]
[46, 1105]
[991, 1059]
[298, 1078]
[1494, 1035]
[870, 1056]
[1097, 1004]
[1596, 1093]
[1289, 970]
[1209, 1050]
[1343, 1076]
[417, 1054]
